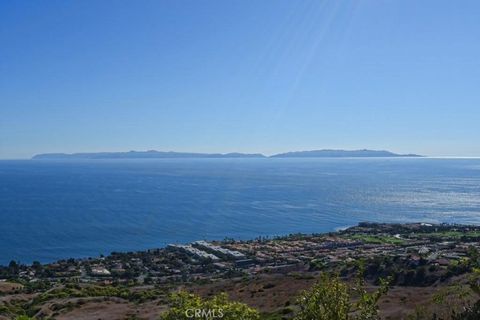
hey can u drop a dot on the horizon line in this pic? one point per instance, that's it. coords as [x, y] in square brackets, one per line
[265, 155]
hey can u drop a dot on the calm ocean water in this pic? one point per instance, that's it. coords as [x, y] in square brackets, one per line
[51, 210]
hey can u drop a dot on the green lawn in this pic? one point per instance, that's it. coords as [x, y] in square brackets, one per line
[377, 239]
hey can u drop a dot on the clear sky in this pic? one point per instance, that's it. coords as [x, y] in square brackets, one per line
[248, 76]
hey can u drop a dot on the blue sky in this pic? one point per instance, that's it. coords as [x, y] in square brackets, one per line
[247, 76]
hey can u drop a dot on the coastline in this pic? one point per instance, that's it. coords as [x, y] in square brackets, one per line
[220, 240]
[261, 238]
[266, 273]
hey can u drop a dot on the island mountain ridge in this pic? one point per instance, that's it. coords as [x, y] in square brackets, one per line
[153, 154]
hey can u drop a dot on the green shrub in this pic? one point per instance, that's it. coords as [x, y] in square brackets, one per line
[183, 305]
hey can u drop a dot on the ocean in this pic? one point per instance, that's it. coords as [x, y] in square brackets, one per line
[51, 210]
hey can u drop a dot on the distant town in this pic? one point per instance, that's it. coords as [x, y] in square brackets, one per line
[417, 255]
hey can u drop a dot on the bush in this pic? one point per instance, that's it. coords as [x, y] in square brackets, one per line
[183, 305]
[330, 299]
[470, 313]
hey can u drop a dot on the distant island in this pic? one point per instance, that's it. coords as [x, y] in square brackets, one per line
[326, 153]
[153, 154]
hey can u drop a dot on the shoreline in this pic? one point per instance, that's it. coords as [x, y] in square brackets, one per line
[336, 230]
[265, 273]
[267, 237]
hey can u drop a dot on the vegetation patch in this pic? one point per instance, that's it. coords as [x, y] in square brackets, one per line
[377, 239]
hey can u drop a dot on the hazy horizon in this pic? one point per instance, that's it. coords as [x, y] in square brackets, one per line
[206, 151]
[259, 152]
[239, 76]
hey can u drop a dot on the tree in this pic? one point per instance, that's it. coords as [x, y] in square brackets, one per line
[330, 299]
[37, 266]
[13, 267]
[185, 306]
[367, 305]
